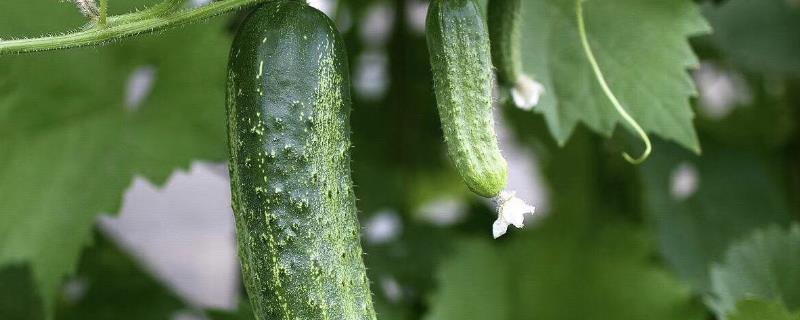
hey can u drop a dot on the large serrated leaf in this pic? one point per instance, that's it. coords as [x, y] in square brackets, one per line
[763, 266]
[71, 145]
[729, 194]
[641, 47]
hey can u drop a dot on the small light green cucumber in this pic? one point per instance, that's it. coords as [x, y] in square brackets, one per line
[462, 76]
[505, 19]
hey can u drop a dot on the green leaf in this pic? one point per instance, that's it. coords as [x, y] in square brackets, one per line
[243, 313]
[764, 266]
[109, 284]
[760, 310]
[18, 298]
[473, 285]
[400, 287]
[760, 35]
[71, 145]
[585, 260]
[399, 156]
[642, 49]
[556, 274]
[735, 195]
[765, 126]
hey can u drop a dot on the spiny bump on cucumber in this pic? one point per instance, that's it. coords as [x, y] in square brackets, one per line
[288, 106]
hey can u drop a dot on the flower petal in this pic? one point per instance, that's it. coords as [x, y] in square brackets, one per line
[499, 228]
[510, 210]
[526, 93]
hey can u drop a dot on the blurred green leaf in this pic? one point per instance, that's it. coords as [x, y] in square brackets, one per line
[763, 266]
[401, 271]
[734, 195]
[760, 35]
[760, 310]
[585, 261]
[109, 284]
[71, 144]
[243, 313]
[18, 297]
[598, 273]
[642, 50]
[474, 285]
[399, 155]
[765, 125]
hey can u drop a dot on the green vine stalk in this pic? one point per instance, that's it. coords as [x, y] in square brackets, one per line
[162, 16]
[103, 20]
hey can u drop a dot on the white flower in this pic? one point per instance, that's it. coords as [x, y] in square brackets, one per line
[526, 93]
[510, 210]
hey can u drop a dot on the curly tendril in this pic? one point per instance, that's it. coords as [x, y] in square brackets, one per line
[602, 80]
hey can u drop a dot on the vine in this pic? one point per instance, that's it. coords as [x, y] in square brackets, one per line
[106, 29]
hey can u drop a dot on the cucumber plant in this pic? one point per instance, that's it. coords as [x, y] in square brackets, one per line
[288, 106]
[460, 57]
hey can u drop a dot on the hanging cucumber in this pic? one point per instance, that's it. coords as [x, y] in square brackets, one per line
[504, 20]
[288, 106]
[462, 75]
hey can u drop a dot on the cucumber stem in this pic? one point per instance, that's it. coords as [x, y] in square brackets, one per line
[601, 79]
[123, 26]
[101, 21]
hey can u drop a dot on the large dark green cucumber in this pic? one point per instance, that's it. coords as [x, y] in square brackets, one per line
[462, 72]
[504, 18]
[288, 106]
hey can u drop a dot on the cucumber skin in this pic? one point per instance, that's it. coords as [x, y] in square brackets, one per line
[288, 107]
[458, 44]
[504, 18]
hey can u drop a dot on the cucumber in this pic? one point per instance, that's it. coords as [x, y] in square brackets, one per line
[504, 17]
[458, 44]
[288, 109]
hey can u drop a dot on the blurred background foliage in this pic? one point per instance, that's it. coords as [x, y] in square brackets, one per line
[683, 236]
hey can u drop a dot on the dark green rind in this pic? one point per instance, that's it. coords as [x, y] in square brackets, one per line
[288, 107]
[462, 74]
[504, 18]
